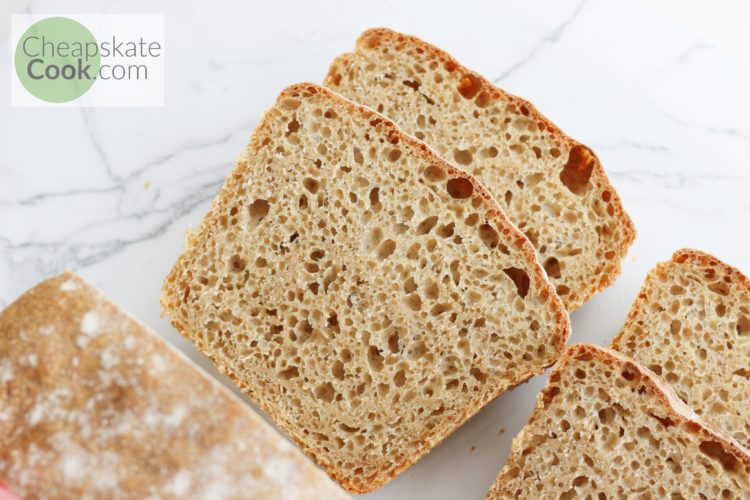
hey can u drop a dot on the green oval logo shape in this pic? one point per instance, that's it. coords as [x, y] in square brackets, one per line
[57, 59]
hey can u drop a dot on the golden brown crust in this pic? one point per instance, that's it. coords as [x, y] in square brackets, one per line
[677, 411]
[557, 342]
[372, 37]
[94, 404]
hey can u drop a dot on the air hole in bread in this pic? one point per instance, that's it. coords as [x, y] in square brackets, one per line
[431, 289]
[394, 154]
[446, 231]
[478, 374]
[414, 302]
[325, 392]
[462, 156]
[520, 279]
[460, 188]
[426, 225]
[483, 100]
[374, 238]
[719, 287]
[469, 86]
[410, 285]
[489, 236]
[743, 326]
[676, 290]
[413, 85]
[237, 263]
[289, 373]
[416, 350]
[374, 358]
[393, 342]
[386, 249]
[577, 170]
[439, 309]
[258, 209]
[375, 197]
[715, 450]
[629, 373]
[489, 152]
[293, 126]
[434, 173]
[311, 184]
[552, 266]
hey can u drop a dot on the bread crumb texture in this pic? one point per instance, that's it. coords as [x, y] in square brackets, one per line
[691, 325]
[605, 427]
[93, 405]
[366, 294]
[553, 188]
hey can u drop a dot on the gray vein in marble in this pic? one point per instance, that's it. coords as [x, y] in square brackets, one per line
[68, 253]
[670, 179]
[93, 137]
[551, 38]
[119, 182]
[627, 143]
[725, 131]
[693, 49]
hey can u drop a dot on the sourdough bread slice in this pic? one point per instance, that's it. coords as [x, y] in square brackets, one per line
[95, 405]
[691, 325]
[553, 188]
[369, 296]
[606, 427]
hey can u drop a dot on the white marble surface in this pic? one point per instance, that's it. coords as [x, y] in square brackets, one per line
[110, 192]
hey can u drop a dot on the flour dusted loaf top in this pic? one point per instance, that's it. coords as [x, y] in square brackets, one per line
[553, 188]
[369, 296]
[606, 427]
[95, 405]
[691, 325]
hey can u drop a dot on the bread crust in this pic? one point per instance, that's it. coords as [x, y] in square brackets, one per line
[78, 370]
[598, 175]
[557, 342]
[676, 409]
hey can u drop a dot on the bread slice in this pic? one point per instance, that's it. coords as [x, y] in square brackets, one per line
[95, 405]
[553, 188]
[691, 325]
[369, 296]
[606, 427]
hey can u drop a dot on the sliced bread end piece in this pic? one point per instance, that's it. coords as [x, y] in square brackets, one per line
[368, 295]
[552, 187]
[690, 324]
[606, 427]
[93, 404]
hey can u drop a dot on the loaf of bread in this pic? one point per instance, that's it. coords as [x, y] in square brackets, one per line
[606, 427]
[95, 405]
[366, 294]
[691, 325]
[553, 188]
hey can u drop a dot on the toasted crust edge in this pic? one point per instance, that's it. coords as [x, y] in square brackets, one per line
[676, 409]
[493, 209]
[598, 173]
